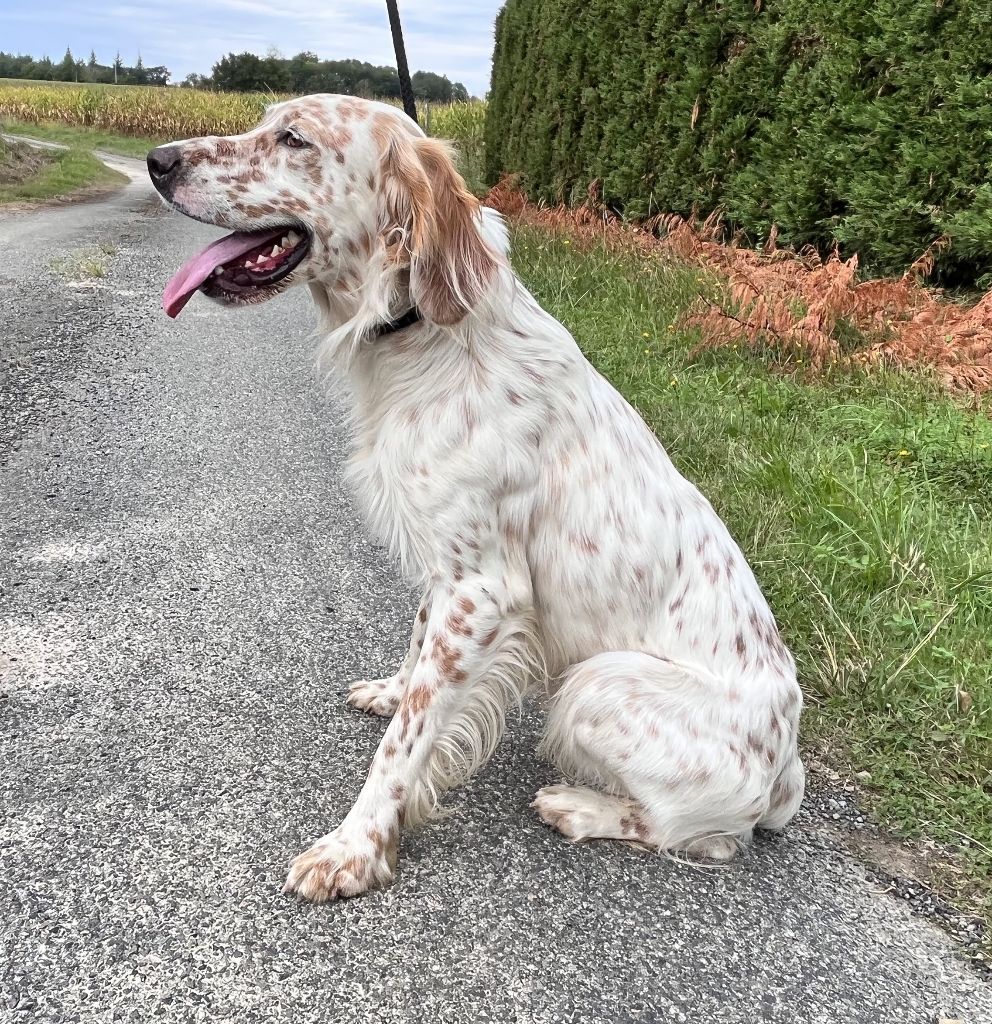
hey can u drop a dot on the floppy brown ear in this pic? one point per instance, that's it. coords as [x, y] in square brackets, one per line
[450, 264]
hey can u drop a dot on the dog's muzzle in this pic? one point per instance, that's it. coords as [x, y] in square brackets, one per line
[164, 164]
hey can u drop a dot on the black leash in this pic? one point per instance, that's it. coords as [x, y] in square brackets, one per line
[402, 71]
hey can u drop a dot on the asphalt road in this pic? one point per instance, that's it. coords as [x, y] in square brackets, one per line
[185, 592]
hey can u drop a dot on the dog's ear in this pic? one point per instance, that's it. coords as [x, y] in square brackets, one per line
[433, 220]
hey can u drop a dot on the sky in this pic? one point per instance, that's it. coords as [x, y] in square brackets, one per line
[445, 36]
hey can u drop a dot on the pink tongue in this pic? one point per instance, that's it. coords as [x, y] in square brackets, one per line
[184, 283]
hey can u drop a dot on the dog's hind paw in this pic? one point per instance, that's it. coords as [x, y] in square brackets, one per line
[376, 696]
[336, 867]
[715, 849]
[580, 813]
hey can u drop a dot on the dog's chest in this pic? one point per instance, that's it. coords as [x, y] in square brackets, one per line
[421, 479]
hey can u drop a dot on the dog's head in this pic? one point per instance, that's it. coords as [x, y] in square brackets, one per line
[327, 189]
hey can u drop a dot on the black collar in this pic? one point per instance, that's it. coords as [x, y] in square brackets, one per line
[408, 319]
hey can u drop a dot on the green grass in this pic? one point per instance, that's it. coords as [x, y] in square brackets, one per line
[82, 138]
[865, 506]
[55, 174]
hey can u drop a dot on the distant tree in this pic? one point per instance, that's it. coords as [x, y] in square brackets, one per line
[302, 72]
[66, 70]
[385, 82]
[431, 87]
[195, 81]
[94, 71]
[118, 69]
[239, 72]
[137, 75]
[275, 71]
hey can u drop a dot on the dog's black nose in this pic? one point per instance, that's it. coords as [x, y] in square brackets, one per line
[163, 163]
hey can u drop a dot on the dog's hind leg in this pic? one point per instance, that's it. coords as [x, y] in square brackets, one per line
[382, 696]
[683, 768]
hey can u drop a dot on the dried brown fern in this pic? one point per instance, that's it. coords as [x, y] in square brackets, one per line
[794, 301]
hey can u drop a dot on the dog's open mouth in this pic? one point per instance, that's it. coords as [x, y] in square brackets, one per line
[244, 267]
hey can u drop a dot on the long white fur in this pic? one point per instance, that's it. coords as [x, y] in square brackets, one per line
[508, 476]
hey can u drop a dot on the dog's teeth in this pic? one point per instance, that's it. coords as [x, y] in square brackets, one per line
[275, 250]
[292, 238]
[218, 271]
[286, 243]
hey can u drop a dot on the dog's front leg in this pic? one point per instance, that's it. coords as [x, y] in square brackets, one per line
[382, 696]
[471, 634]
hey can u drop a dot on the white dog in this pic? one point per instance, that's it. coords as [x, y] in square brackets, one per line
[555, 542]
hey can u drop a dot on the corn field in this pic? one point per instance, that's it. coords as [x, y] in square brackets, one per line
[139, 111]
[163, 114]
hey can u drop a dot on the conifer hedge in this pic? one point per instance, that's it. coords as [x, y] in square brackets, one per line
[862, 122]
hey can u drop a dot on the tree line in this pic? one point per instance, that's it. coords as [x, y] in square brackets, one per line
[244, 72]
[306, 73]
[69, 69]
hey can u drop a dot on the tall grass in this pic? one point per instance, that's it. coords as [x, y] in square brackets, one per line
[464, 124]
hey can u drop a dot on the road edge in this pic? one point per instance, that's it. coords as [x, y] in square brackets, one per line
[84, 194]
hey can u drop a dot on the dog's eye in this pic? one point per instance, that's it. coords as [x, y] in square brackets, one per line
[290, 139]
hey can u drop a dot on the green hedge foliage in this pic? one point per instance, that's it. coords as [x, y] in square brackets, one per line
[866, 123]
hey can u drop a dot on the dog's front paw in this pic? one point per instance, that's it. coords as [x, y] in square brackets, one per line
[376, 696]
[339, 866]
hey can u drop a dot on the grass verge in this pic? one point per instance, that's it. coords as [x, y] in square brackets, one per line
[82, 138]
[29, 175]
[864, 504]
